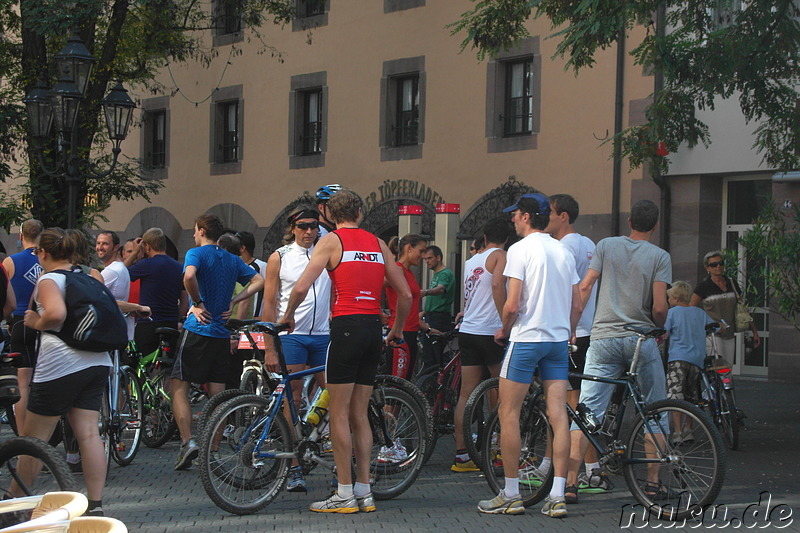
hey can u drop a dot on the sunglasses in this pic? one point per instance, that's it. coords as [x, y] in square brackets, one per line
[716, 264]
[307, 225]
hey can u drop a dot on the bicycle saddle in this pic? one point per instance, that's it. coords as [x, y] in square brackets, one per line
[167, 331]
[656, 332]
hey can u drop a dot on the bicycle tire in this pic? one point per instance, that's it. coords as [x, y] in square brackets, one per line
[59, 478]
[476, 413]
[213, 403]
[104, 427]
[128, 436]
[728, 421]
[534, 432]
[252, 382]
[690, 474]
[158, 421]
[400, 415]
[387, 380]
[229, 476]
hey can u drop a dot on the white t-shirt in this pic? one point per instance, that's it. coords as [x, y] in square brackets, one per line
[118, 281]
[582, 249]
[56, 358]
[547, 271]
[480, 313]
[313, 314]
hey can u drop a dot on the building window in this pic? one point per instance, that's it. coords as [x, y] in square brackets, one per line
[402, 109]
[154, 141]
[310, 14]
[725, 12]
[227, 22]
[513, 98]
[227, 113]
[308, 126]
[518, 117]
[311, 140]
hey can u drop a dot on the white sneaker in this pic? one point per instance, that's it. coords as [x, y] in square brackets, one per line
[395, 454]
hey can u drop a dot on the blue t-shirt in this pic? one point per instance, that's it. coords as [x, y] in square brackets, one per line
[161, 285]
[217, 274]
[687, 334]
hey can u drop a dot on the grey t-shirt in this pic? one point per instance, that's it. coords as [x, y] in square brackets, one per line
[628, 269]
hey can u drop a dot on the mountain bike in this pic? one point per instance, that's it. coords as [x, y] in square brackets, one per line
[672, 480]
[716, 393]
[248, 446]
[120, 419]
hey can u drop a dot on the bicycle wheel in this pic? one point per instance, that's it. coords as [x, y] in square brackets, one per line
[252, 382]
[213, 403]
[395, 465]
[682, 475]
[479, 406]
[104, 427]
[394, 382]
[128, 431]
[158, 422]
[534, 431]
[728, 420]
[235, 480]
[56, 477]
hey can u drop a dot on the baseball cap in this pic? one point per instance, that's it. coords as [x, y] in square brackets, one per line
[533, 203]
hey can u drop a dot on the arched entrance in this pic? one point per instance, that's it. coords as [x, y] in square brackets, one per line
[157, 217]
[490, 206]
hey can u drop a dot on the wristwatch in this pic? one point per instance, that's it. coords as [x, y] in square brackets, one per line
[198, 302]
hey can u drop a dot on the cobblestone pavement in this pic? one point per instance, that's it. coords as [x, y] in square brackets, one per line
[150, 497]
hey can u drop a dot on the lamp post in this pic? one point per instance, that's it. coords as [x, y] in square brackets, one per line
[59, 106]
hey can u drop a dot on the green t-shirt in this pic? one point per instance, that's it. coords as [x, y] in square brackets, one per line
[441, 302]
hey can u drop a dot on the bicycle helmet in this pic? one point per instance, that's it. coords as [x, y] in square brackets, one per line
[325, 192]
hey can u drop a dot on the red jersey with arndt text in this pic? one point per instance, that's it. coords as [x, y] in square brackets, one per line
[358, 279]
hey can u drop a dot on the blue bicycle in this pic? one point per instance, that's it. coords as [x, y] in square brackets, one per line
[248, 446]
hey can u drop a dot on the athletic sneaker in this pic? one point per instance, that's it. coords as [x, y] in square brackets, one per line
[464, 466]
[395, 454]
[555, 507]
[97, 511]
[187, 454]
[336, 504]
[532, 476]
[297, 482]
[366, 504]
[502, 504]
[597, 483]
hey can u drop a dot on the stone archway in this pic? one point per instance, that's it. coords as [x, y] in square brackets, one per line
[490, 206]
[277, 228]
[157, 217]
[382, 218]
[234, 216]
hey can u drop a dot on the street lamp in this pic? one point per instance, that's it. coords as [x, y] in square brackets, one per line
[58, 108]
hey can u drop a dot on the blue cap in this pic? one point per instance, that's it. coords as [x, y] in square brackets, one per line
[533, 203]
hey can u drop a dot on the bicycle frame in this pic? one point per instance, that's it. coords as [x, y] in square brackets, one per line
[453, 365]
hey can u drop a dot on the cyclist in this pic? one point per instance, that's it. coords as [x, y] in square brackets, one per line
[564, 210]
[538, 319]
[210, 274]
[307, 345]
[484, 296]
[357, 263]
[324, 193]
[23, 270]
[633, 291]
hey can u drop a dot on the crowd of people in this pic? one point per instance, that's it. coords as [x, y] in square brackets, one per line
[334, 285]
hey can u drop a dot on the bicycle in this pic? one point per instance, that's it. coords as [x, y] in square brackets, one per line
[441, 387]
[247, 445]
[152, 373]
[120, 419]
[716, 393]
[672, 480]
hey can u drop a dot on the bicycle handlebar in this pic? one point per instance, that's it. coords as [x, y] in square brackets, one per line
[272, 328]
[646, 333]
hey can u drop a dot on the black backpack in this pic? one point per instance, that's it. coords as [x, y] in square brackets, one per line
[94, 321]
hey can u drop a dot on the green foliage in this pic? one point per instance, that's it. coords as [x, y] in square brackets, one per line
[710, 51]
[774, 241]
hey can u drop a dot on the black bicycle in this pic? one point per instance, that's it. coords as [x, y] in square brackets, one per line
[716, 393]
[670, 479]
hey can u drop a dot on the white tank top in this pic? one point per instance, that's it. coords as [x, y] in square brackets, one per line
[311, 316]
[480, 313]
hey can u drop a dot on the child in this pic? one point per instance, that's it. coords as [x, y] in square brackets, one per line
[687, 349]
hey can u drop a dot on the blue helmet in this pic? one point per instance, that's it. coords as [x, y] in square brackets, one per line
[325, 192]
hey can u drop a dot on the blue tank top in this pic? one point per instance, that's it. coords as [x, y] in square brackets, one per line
[26, 272]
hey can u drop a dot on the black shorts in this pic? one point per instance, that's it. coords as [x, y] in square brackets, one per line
[145, 335]
[200, 359]
[355, 349]
[479, 350]
[83, 390]
[577, 360]
[23, 340]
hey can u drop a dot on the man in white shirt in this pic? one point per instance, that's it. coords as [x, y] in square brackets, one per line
[539, 317]
[115, 275]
